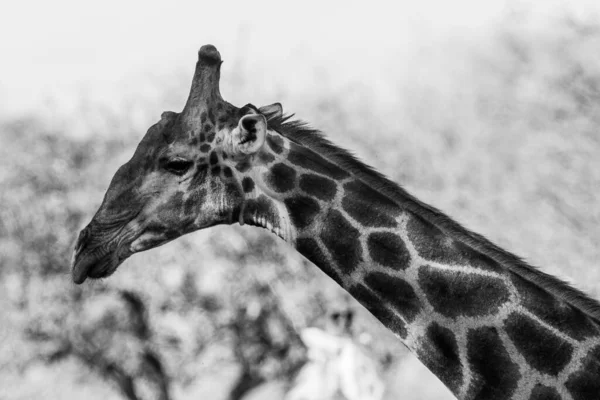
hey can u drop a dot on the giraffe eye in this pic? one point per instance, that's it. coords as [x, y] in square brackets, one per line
[177, 166]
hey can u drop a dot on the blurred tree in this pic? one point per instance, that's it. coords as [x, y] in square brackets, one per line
[265, 342]
[110, 333]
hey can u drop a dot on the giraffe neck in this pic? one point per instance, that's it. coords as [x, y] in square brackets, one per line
[484, 330]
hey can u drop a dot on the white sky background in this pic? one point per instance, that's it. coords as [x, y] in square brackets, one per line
[63, 49]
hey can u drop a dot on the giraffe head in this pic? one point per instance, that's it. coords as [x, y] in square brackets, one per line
[180, 179]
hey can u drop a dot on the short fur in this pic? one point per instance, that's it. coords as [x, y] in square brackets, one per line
[300, 133]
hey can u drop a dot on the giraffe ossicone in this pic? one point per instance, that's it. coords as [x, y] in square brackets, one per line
[488, 325]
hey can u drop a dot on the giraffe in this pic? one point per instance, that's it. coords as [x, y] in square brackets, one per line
[487, 324]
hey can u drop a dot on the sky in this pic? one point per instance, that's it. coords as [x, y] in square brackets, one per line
[63, 49]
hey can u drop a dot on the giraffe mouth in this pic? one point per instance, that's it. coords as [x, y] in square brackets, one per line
[102, 260]
[98, 264]
[98, 254]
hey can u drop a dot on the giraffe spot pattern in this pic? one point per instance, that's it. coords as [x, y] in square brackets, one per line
[454, 293]
[541, 392]
[302, 210]
[247, 184]
[202, 137]
[210, 137]
[275, 142]
[213, 158]
[319, 187]
[342, 241]
[542, 349]
[227, 172]
[266, 157]
[388, 250]
[439, 352]
[555, 312]
[433, 244]
[397, 292]
[281, 178]
[310, 249]
[243, 166]
[497, 375]
[379, 310]
[369, 207]
[205, 148]
[307, 159]
[216, 170]
[206, 128]
[584, 384]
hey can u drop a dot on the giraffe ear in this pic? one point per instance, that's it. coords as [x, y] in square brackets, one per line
[251, 133]
[274, 110]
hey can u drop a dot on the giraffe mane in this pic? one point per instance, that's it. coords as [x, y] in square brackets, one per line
[302, 134]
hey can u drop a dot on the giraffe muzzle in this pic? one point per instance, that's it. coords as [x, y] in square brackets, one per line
[98, 256]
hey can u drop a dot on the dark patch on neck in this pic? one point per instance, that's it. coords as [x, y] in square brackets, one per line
[584, 384]
[376, 307]
[227, 172]
[454, 293]
[275, 142]
[369, 207]
[388, 250]
[342, 241]
[310, 249]
[438, 350]
[247, 184]
[310, 160]
[541, 392]
[433, 244]
[243, 165]
[553, 311]
[495, 375]
[398, 293]
[266, 157]
[319, 187]
[302, 210]
[214, 158]
[281, 178]
[205, 148]
[543, 350]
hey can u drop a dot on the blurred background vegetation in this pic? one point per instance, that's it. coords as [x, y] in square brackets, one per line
[500, 129]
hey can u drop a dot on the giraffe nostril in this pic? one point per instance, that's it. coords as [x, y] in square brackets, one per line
[82, 239]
